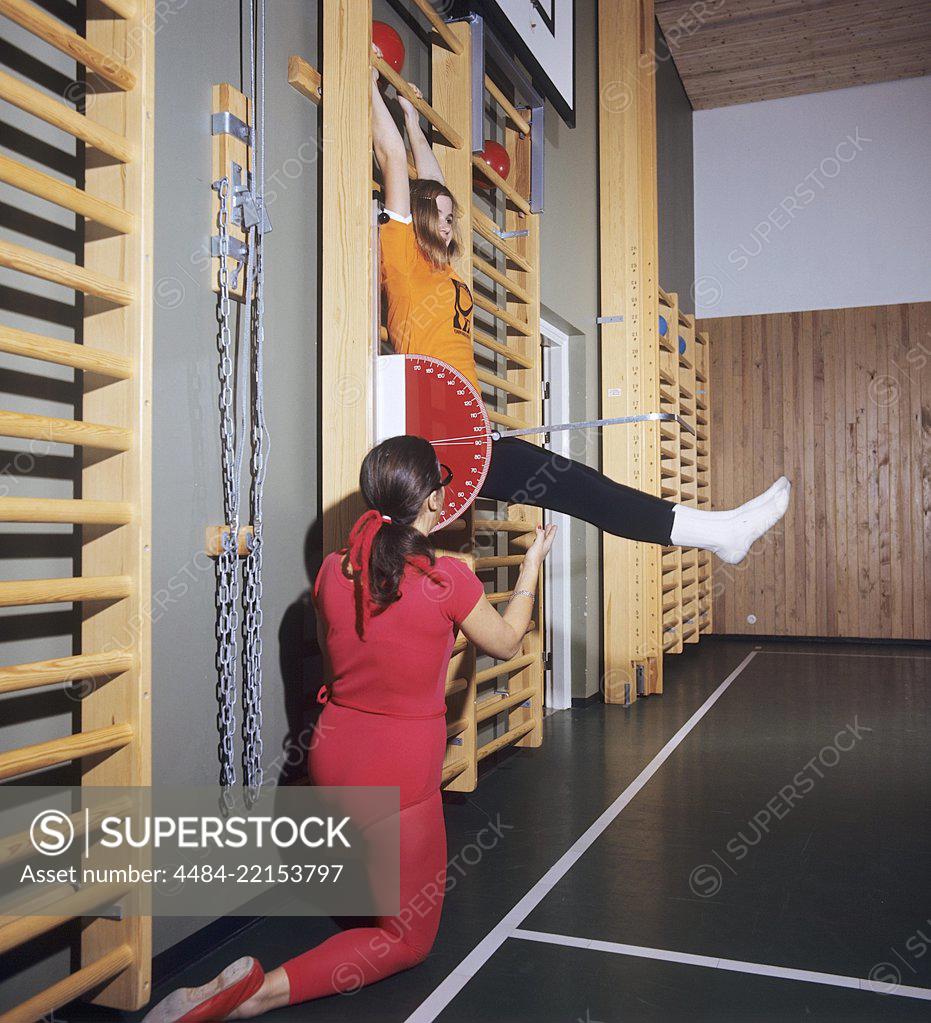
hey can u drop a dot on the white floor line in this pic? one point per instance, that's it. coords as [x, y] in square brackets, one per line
[732, 965]
[447, 990]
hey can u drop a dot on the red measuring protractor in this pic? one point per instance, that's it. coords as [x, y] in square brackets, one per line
[419, 395]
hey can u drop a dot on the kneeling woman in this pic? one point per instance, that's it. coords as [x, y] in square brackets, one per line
[387, 609]
[430, 313]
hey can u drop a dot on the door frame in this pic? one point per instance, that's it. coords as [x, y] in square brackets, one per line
[557, 575]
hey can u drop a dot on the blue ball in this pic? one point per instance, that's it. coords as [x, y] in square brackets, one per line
[682, 345]
[663, 326]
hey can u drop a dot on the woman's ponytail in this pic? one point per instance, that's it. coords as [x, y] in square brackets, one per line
[397, 476]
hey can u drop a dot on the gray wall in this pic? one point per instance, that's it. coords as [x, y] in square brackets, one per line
[195, 48]
[675, 180]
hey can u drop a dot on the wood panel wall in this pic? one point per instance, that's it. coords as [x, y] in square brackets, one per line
[840, 401]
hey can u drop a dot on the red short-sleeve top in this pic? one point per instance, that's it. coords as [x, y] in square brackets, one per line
[399, 667]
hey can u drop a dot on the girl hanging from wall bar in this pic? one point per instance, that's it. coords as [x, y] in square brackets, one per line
[387, 609]
[429, 312]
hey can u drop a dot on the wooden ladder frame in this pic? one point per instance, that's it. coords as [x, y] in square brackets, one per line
[632, 581]
[686, 469]
[349, 311]
[113, 747]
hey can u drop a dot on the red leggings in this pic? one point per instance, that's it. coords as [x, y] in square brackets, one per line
[353, 747]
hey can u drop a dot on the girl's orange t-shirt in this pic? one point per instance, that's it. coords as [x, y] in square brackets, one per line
[429, 310]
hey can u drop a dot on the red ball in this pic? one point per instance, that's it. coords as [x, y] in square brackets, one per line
[390, 44]
[496, 156]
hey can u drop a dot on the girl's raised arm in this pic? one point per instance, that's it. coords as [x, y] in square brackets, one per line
[390, 154]
[424, 160]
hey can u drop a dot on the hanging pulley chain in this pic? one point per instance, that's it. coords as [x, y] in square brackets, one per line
[256, 223]
[252, 566]
[227, 568]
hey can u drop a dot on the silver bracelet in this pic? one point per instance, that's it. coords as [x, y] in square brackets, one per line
[522, 593]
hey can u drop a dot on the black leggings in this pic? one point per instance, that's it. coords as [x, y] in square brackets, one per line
[528, 474]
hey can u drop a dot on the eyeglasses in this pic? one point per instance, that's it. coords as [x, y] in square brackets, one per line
[447, 476]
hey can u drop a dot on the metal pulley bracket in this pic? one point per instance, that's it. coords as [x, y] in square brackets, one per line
[224, 122]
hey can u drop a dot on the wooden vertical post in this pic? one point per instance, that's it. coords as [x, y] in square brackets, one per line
[672, 439]
[346, 303]
[703, 472]
[688, 483]
[530, 378]
[124, 331]
[451, 97]
[629, 352]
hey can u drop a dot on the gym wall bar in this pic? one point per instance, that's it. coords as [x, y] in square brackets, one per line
[113, 744]
[509, 363]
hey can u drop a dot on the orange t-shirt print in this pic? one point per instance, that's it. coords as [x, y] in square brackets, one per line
[429, 310]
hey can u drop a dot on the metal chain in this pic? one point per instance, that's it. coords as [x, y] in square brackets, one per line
[252, 568]
[232, 437]
[227, 574]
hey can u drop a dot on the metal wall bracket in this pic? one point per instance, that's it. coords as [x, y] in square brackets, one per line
[609, 319]
[513, 234]
[237, 249]
[227, 123]
[485, 43]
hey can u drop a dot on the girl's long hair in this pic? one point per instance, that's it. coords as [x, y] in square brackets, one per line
[424, 193]
[397, 476]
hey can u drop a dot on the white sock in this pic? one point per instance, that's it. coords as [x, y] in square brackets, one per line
[730, 534]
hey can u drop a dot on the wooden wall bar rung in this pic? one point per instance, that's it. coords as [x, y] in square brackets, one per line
[52, 31]
[73, 986]
[508, 191]
[453, 770]
[509, 422]
[502, 525]
[18, 929]
[50, 268]
[51, 509]
[503, 384]
[15, 677]
[305, 78]
[479, 337]
[445, 130]
[501, 314]
[60, 751]
[439, 26]
[34, 102]
[492, 706]
[506, 668]
[487, 228]
[457, 685]
[516, 117]
[496, 275]
[64, 353]
[509, 738]
[22, 592]
[64, 431]
[44, 186]
[498, 561]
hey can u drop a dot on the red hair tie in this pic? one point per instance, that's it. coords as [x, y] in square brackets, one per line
[361, 537]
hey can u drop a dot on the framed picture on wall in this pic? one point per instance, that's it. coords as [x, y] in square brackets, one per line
[541, 36]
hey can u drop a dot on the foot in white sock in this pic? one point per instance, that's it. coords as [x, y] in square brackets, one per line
[781, 484]
[730, 534]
